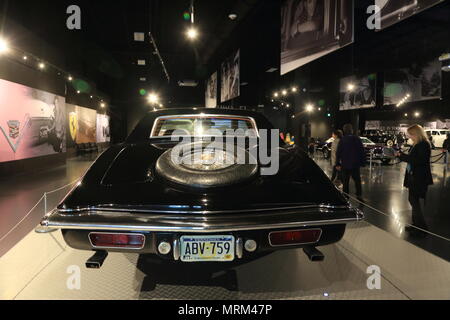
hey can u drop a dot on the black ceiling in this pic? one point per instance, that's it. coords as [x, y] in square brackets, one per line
[104, 49]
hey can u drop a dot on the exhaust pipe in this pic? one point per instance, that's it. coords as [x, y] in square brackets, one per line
[97, 260]
[313, 254]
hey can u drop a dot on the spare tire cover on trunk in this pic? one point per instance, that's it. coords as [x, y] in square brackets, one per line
[207, 173]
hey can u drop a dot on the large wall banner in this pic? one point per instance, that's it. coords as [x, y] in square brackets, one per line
[103, 129]
[230, 85]
[32, 122]
[211, 91]
[416, 83]
[82, 125]
[358, 92]
[393, 11]
[311, 29]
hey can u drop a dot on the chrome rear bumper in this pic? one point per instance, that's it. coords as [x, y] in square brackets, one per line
[199, 223]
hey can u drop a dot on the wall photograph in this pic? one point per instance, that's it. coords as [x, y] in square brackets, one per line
[32, 122]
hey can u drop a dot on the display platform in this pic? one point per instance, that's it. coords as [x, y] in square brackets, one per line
[48, 266]
[51, 270]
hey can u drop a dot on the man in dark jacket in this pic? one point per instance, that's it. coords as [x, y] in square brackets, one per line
[350, 157]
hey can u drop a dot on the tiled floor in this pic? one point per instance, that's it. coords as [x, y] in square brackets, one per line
[46, 267]
[386, 204]
[19, 194]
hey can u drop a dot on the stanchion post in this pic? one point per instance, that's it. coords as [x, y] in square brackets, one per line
[45, 203]
[371, 160]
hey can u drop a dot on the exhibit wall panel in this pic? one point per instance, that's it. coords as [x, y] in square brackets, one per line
[416, 83]
[358, 92]
[312, 29]
[82, 125]
[211, 91]
[393, 11]
[230, 86]
[103, 128]
[32, 122]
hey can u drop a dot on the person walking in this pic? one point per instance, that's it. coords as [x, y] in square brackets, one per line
[350, 157]
[337, 136]
[312, 147]
[446, 148]
[418, 174]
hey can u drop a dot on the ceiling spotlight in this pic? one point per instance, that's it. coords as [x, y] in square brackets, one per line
[70, 78]
[309, 108]
[91, 97]
[406, 114]
[3, 46]
[192, 33]
[233, 16]
[350, 87]
[417, 114]
[102, 104]
[294, 89]
[41, 65]
[153, 98]
[284, 92]
[276, 94]
[293, 117]
[288, 105]
[78, 91]
[25, 58]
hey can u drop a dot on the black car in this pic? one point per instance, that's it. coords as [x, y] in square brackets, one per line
[137, 198]
[385, 138]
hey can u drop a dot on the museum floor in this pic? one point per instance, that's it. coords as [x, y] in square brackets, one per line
[34, 266]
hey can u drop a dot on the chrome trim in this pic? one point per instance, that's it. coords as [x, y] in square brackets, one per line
[295, 244]
[152, 134]
[239, 248]
[124, 248]
[149, 228]
[176, 249]
[134, 210]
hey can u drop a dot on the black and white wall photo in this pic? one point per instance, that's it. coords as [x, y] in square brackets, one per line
[211, 91]
[358, 92]
[311, 29]
[393, 11]
[230, 78]
[417, 83]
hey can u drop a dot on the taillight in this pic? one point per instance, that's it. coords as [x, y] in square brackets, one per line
[283, 238]
[117, 240]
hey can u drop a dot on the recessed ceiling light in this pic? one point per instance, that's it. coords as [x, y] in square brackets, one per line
[143, 79]
[139, 36]
[141, 62]
[233, 16]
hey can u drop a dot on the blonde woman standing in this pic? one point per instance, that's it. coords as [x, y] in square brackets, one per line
[418, 174]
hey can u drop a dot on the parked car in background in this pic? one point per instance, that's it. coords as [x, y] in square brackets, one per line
[438, 136]
[379, 150]
[325, 148]
[387, 138]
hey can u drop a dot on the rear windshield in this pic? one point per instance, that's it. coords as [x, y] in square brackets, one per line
[199, 125]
